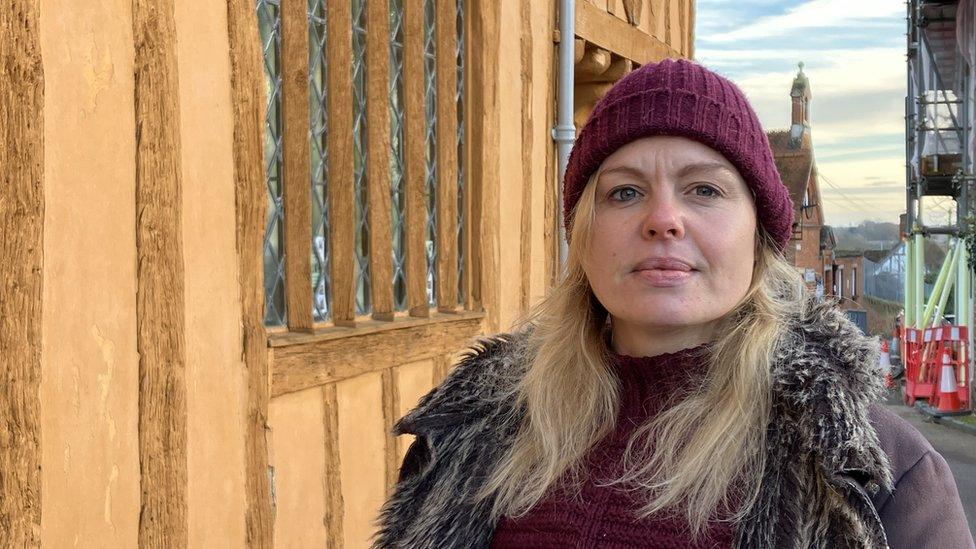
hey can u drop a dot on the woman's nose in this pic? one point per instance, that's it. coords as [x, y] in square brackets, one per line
[663, 219]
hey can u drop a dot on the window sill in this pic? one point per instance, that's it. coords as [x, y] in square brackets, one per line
[301, 361]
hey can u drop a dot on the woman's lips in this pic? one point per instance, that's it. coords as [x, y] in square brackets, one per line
[664, 278]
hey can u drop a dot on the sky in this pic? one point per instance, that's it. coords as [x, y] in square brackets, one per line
[854, 55]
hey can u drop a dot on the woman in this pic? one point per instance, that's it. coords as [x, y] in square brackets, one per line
[677, 388]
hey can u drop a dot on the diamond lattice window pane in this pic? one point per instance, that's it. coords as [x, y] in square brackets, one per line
[430, 116]
[318, 124]
[269, 24]
[396, 161]
[459, 98]
[363, 304]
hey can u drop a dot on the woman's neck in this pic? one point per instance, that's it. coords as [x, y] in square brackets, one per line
[641, 340]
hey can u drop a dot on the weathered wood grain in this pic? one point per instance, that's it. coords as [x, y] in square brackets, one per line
[296, 162]
[606, 31]
[160, 279]
[248, 99]
[391, 412]
[314, 363]
[334, 504]
[483, 133]
[342, 240]
[414, 166]
[447, 161]
[21, 264]
[378, 153]
[525, 240]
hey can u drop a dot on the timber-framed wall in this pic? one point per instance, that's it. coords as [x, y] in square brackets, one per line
[148, 398]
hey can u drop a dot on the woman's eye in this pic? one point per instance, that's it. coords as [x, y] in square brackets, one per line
[624, 194]
[707, 191]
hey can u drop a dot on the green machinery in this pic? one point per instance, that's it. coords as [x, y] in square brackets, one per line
[939, 141]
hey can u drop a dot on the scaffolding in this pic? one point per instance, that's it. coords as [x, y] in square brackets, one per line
[939, 149]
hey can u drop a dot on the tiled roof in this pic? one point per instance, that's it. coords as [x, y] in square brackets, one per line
[795, 173]
[794, 164]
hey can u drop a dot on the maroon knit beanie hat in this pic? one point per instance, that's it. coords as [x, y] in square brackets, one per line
[681, 98]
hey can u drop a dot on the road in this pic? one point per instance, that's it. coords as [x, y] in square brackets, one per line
[957, 447]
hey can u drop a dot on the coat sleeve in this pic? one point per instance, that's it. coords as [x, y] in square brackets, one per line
[924, 509]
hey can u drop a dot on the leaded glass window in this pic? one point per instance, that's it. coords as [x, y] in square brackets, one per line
[270, 29]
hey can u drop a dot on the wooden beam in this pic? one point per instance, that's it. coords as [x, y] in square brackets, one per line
[249, 103]
[633, 10]
[552, 207]
[606, 31]
[414, 176]
[525, 229]
[482, 132]
[616, 70]
[442, 367]
[334, 504]
[594, 63]
[691, 29]
[378, 155]
[160, 281]
[21, 274]
[447, 165]
[342, 252]
[391, 408]
[302, 366]
[296, 162]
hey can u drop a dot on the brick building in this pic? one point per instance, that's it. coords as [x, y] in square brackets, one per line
[812, 247]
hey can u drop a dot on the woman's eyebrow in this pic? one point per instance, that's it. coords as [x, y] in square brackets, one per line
[704, 167]
[624, 170]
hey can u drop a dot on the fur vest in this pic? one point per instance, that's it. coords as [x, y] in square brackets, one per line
[823, 458]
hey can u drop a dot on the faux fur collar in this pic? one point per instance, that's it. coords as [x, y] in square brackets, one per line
[822, 449]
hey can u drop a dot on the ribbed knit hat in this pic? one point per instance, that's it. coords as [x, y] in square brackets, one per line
[681, 98]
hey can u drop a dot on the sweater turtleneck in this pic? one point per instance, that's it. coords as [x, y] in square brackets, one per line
[604, 515]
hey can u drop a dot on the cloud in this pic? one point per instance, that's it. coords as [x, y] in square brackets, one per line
[854, 54]
[814, 14]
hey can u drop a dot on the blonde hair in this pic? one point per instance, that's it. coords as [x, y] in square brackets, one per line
[703, 456]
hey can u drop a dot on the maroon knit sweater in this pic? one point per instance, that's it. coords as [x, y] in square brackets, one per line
[605, 517]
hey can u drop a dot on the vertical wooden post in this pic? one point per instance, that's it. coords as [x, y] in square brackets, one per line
[525, 251]
[378, 154]
[334, 503]
[248, 98]
[21, 264]
[391, 407]
[160, 281]
[691, 30]
[295, 155]
[482, 134]
[447, 167]
[553, 209]
[414, 165]
[342, 241]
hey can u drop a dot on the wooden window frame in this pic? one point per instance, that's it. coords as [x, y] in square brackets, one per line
[305, 354]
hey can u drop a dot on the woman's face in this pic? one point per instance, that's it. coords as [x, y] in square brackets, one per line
[672, 244]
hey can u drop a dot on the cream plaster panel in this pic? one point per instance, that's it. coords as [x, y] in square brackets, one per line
[214, 372]
[413, 380]
[362, 462]
[298, 455]
[89, 373]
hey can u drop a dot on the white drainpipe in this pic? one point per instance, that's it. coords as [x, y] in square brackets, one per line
[564, 133]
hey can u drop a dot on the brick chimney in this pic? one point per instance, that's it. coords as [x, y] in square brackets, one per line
[800, 124]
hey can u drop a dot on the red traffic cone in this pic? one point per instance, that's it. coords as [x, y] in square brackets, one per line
[948, 395]
[884, 362]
